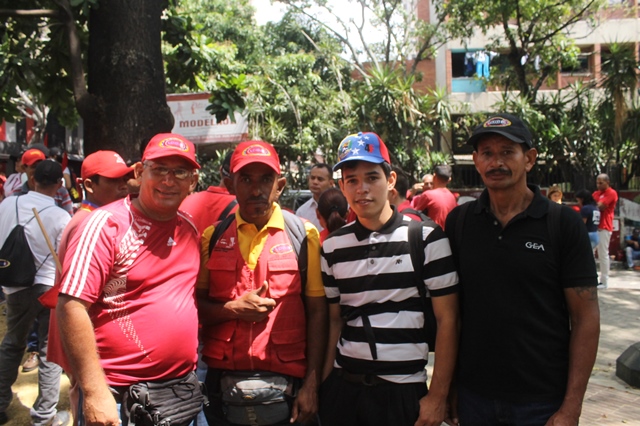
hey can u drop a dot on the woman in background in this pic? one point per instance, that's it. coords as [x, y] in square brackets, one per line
[555, 194]
[332, 211]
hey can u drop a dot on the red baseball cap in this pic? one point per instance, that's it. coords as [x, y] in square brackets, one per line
[170, 145]
[32, 156]
[104, 163]
[255, 152]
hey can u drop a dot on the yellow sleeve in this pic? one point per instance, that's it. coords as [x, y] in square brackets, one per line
[315, 288]
[203, 274]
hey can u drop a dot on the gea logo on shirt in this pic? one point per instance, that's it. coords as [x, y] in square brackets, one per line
[534, 246]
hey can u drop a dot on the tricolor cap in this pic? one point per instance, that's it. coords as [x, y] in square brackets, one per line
[507, 125]
[250, 152]
[170, 145]
[362, 147]
[32, 156]
[104, 163]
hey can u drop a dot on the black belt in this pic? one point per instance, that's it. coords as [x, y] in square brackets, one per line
[361, 379]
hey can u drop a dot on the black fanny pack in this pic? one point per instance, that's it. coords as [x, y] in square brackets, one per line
[250, 398]
[173, 402]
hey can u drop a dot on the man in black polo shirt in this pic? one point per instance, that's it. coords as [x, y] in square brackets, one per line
[529, 304]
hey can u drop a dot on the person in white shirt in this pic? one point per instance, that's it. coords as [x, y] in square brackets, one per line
[23, 307]
[320, 179]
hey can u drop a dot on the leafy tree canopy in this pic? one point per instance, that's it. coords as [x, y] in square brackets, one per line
[523, 30]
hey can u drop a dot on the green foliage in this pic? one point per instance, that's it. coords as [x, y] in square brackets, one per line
[620, 67]
[204, 39]
[574, 134]
[34, 57]
[209, 173]
[227, 97]
[387, 104]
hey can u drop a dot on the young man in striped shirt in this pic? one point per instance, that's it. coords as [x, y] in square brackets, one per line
[377, 343]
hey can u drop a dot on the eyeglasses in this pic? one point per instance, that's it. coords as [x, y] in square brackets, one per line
[161, 171]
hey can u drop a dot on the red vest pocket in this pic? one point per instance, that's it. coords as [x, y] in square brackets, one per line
[289, 345]
[283, 278]
[222, 277]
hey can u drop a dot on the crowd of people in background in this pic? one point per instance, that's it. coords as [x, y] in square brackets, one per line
[322, 316]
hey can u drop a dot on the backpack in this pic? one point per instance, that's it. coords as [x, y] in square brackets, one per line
[417, 260]
[17, 264]
[423, 217]
[295, 231]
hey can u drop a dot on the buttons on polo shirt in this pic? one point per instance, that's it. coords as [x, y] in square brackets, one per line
[500, 237]
[495, 222]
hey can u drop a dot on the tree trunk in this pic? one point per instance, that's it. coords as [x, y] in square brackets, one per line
[125, 78]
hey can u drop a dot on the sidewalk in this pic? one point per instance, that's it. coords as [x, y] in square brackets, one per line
[609, 400]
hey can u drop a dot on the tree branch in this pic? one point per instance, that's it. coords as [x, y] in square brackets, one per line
[24, 13]
[81, 94]
[354, 54]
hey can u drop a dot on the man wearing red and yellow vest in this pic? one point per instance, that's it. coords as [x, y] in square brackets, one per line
[264, 341]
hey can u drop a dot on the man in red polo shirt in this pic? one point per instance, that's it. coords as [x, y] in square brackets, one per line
[213, 204]
[606, 198]
[127, 289]
[439, 201]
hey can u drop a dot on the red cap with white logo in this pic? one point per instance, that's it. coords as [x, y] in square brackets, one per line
[170, 145]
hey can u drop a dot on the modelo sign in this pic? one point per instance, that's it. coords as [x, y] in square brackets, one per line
[194, 122]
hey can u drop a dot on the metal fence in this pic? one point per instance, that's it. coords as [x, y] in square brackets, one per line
[465, 176]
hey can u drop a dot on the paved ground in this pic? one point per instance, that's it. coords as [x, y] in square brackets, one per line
[609, 400]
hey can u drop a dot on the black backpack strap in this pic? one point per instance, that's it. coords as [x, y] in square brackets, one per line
[417, 253]
[297, 233]
[554, 226]
[219, 230]
[416, 245]
[34, 216]
[423, 217]
[227, 210]
[23, 229]
[462, 215]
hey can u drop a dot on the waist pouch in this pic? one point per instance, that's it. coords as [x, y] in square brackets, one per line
[256, 398]
[173, 402]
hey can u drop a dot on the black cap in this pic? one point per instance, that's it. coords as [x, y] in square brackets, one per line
[443, 171]
[507, 125]
[226, 164]
[48, 172]
[42, 147]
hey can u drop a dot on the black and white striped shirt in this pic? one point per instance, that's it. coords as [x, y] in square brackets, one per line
[371, 275]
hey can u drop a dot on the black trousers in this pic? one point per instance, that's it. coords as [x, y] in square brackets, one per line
[344, 403]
